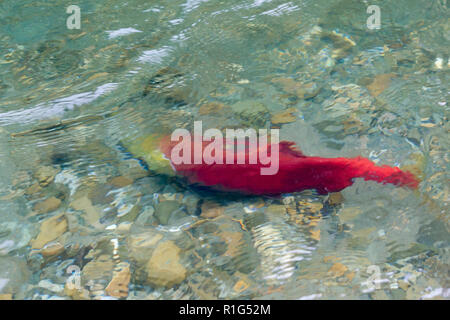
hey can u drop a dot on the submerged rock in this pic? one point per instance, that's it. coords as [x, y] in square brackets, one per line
[349, 111]
[50, 230]
[168, 83]
[15, 234]
[285, 116]
[118, 286]
[213, 108]
[52, 249]
[141, 245]
[168, 211]
[48, 205]
[211, 209]
[251, 112]
[380, 83]
[100, 268]
[45, 175]
[120, 181]
[302, 90]
[335, 198]
[92, 213]
[342, 44]
[164, 267]
[13, 275]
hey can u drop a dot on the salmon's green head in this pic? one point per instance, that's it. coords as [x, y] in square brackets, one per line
[148, 148]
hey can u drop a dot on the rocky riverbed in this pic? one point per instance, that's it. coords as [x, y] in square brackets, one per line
[83, 215]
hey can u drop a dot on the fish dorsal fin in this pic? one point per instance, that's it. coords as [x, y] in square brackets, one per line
[289, 147]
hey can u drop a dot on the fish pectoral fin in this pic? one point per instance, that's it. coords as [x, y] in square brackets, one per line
[289, 147]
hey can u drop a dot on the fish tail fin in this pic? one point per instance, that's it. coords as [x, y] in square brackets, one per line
[385, 174]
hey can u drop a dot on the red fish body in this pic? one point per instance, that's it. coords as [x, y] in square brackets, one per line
[296, 172]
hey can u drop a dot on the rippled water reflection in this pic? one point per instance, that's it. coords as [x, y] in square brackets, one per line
[72, 194]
